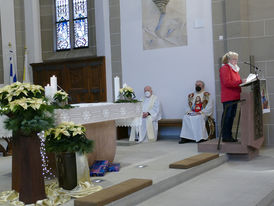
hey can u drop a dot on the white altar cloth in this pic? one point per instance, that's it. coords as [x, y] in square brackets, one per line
[4, 132]
[124, 114]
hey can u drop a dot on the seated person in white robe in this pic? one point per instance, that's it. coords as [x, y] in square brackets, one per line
[148, 130]
[200, 107]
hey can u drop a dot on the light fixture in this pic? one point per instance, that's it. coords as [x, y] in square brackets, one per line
[141, 166]
[97, 180]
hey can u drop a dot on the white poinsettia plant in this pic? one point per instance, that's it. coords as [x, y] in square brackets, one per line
[18, 90]
[68, 137]
[60, 96]
[66, 129]
[26, 106]
[127, 92]
[26, 103]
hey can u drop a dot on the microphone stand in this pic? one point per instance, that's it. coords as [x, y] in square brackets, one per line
[69, 97]
[61, 88]
[255, 67]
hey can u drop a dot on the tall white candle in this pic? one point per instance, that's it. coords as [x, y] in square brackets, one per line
[53, 84]
[48, 91]
[116, 87]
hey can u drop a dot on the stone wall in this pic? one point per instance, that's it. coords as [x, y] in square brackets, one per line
[20, 36]
[115, 39]
[48, 34]
[247, 28]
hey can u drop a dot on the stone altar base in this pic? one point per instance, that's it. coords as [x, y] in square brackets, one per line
[233, 149]
[104, 136]
[99, 120]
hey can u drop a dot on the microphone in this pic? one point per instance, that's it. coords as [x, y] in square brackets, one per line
[252, 65]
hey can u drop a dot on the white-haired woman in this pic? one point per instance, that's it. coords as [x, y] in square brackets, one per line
[230, 93]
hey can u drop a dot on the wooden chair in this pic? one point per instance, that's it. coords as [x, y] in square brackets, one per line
[210, 127]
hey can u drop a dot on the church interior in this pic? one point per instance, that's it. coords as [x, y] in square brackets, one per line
[102, 54]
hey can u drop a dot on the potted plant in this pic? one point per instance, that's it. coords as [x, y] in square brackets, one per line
[60, 98]
[65, 140]
[126, 94]
[28, 113]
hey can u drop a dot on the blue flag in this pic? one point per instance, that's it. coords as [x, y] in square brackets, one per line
[13, 75]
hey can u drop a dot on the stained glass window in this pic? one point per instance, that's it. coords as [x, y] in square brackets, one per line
[71, 27]
[80, 33]
[79, 9]
[80, 23]
[63, 36]
[62, 10]
[62, 25]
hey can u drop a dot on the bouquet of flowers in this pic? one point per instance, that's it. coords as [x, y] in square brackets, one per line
[126, 94]
[60, 96]
[60, 99]
[68, 137]
[27, 108]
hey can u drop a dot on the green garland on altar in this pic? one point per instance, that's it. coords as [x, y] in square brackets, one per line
[127, 101]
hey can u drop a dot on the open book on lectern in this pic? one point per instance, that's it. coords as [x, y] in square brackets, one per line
[251, 78]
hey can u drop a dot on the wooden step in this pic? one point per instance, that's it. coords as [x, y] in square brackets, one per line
[113, 193]
[193, 161]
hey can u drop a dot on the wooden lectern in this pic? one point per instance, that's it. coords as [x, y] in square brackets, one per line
[251, 126]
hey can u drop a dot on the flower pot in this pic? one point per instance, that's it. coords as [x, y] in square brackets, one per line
[128, 98]
[27, 177]
[66, 170]
[62, 103]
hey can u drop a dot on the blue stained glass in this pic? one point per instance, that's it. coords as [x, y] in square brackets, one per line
[81, 33]
[63, 37]
[79, 9]
[62, 10]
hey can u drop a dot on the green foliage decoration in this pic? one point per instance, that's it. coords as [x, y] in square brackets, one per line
[68, 137]
[60, 100]
[60, 96]
[126, 95]
[27, 108]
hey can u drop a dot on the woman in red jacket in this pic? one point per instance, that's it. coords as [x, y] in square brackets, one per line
[230, 92]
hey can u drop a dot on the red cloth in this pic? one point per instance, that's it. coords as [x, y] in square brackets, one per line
[198, 107]
[230, 80]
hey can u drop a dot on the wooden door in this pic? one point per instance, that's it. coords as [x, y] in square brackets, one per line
[84, 79]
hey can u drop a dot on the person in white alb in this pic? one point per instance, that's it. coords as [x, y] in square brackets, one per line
[199, 109]
[148, 130]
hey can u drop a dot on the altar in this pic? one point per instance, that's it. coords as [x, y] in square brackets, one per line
[100, 121]
[4, 134]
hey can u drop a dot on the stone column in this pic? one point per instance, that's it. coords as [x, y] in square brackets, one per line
[8, 34]
[103, 40]
[33, 31]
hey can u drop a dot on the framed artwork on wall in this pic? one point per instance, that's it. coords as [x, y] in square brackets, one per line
[264, 96]
[164, 23]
